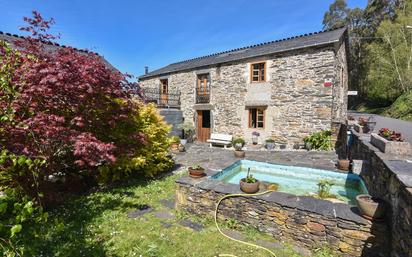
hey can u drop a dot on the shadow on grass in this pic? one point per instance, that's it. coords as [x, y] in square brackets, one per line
[67, 231]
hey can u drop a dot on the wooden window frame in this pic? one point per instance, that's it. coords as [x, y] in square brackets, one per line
[259, 73]
[257, 115]
[164, 82]
[205, 79]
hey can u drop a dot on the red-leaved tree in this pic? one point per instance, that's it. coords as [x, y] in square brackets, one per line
[66, 107]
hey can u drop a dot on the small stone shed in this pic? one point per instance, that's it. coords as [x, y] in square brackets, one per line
[284, 89]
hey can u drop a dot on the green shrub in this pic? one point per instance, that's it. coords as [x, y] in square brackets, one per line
[324, 187]
[238, 140]
[18, 218]
[320, 140]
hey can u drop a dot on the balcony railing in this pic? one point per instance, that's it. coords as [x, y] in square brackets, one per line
[203, 95]
[170, 99]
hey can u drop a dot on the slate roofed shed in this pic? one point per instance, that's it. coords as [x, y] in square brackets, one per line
[298, 42]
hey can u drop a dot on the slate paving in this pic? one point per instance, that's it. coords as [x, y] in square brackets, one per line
[140, 211]
[234, 234]
[168, 203]
[269, 244]
[164, 215]
[191, 224]
[166, 224]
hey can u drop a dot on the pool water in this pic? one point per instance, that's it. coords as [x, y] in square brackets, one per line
[295, 180]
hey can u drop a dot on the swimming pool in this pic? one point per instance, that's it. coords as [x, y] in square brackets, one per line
[295, 180]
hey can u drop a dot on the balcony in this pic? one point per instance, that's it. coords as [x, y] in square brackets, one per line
[203, 95]
[170, 99]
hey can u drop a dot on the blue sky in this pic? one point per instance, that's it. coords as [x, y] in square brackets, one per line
[131, 34]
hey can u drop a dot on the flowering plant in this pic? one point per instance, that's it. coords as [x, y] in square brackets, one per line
[390, 135]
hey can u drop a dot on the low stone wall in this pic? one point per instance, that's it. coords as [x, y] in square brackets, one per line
[303, 221]
[389, 177]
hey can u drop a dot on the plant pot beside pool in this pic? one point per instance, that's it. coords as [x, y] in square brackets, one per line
[370, 207]
[270, 144]
[249, 188]
[196, 172]
[343, 164]
[240, 154]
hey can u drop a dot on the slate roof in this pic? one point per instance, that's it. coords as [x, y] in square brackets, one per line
[11, 38]
[298, 42]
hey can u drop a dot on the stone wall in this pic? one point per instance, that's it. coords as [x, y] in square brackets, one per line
[389, 177]
[303, 221]
[297, 102]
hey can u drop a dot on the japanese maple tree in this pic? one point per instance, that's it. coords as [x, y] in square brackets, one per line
[64, 106]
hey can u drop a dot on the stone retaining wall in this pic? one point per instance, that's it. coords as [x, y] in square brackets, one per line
[389, 177]
[303, 221]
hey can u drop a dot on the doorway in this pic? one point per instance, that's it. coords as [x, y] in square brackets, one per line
[164, 92]
[203, 125]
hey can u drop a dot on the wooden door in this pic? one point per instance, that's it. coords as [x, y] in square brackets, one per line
[164, 91]
[203, 125]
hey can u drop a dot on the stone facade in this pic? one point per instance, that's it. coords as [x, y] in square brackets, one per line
[389, 177]
[303, 221]
[295, 99]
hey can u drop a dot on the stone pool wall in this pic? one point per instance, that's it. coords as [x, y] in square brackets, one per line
[389, 177]
[303, 221]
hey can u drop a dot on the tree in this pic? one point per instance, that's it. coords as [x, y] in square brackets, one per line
[337, 15]
[390, 58]
[69, 109]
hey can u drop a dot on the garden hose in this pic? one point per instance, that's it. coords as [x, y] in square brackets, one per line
[234, 239]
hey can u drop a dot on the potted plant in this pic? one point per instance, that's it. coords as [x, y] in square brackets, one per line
[174, 146]
[249, 185]
[238, 144]
[391, 142]
[343, 164]
[195, 171]
[255, 137]
[363, 123]
[370, 207]
[187, 132]
[270, 144]
[371, 123]
[324, 187]
[182, 148]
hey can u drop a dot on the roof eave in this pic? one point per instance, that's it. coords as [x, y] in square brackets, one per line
[147, 76]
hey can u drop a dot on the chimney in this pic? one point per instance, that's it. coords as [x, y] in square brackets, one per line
[146, 70]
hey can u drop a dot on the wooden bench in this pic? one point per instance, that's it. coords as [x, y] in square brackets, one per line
[220, 139]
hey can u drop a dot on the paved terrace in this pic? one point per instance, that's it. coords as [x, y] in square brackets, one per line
[216, 158]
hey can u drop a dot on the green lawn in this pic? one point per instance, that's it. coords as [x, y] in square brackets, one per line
[97, 225]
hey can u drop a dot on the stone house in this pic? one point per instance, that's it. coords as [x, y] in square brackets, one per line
[285, 89]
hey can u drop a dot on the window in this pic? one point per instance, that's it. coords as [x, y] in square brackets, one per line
[256, 118]
[258, 72]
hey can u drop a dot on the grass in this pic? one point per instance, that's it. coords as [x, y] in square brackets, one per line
[97, 225]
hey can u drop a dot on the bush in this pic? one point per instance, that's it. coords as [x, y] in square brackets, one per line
[150, 159]
[238, 140]
[320, 140]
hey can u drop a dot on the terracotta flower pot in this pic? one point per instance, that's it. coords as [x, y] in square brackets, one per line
[196, 173]
[370, 207]
[343, 164]
[174, 147]
[239, 154]
[249, 188]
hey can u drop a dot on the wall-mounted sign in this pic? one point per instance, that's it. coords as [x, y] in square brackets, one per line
[327, 83]
[352, 92]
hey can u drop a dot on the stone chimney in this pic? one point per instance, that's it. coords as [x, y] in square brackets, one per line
[146, 70]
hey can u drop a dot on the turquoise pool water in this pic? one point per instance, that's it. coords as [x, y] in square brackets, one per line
[295, 180]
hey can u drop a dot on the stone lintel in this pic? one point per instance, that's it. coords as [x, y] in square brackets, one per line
[203, 107]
